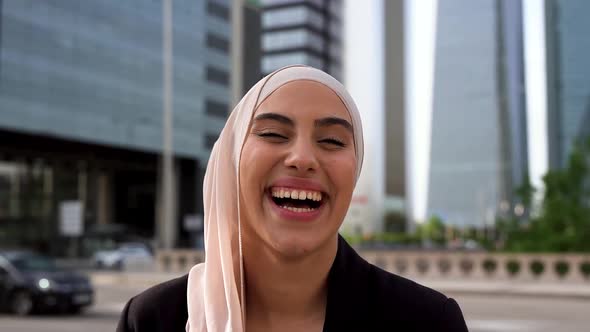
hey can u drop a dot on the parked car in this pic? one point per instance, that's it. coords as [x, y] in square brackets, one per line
[126, 255]
[31, 282]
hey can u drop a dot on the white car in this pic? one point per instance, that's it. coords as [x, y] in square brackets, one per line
[127, 256]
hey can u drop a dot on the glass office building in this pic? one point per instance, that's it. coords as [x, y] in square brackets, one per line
[302, 32]
[478, 138]
[568, 67]
[81, 115]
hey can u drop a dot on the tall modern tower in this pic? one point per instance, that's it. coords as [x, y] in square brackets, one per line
[395, 114]
[477, 135]
[568, 76]
[302, 32]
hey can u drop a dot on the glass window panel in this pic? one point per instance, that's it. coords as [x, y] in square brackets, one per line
[291, 39]
[292, 16]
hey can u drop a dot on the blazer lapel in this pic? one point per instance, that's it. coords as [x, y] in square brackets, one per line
[348, 305]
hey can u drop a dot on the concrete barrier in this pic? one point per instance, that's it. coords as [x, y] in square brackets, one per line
[442, 265]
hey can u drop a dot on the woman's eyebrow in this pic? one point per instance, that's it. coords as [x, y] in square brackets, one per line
[330, 121]
[275, 117]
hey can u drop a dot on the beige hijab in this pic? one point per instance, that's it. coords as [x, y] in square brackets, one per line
[216, 287]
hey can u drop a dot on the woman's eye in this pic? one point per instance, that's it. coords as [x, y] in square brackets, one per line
[272, 135]
[333, 141]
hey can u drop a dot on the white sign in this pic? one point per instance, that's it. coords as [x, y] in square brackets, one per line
[70, 218]
[193, 222]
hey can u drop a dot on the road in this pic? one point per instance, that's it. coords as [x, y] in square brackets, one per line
[483, 314]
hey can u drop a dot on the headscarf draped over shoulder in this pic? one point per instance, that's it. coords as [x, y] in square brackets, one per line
[216, 287]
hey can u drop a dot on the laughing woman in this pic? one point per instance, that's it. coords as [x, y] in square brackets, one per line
[277, 187]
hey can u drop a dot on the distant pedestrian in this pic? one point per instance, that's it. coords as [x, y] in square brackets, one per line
[277, 188]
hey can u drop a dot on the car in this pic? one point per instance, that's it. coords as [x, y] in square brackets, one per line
[127, 255]
[31, 282]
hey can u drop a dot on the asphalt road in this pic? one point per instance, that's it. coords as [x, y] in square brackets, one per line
[483, 314]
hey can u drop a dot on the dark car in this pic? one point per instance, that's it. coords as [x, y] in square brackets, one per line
[31, 282]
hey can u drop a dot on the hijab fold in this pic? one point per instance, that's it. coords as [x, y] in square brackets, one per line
[216, 287]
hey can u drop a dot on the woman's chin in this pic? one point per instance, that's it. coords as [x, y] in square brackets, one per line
[296, 246]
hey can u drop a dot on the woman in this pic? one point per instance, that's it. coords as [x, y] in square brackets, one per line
[278, 185]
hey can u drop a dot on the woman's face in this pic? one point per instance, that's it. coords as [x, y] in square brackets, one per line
[297, 169]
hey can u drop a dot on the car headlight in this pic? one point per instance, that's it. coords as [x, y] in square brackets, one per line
[44, 284]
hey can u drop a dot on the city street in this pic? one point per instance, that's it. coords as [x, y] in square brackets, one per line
[483, 313]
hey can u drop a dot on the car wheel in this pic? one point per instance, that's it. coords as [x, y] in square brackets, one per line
[21, 303]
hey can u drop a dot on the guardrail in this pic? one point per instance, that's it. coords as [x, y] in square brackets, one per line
[442, 265]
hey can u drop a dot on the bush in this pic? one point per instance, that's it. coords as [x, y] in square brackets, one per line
[562, 268]
[489, 265]
[537, 267]
[513, 267]
[585, 269]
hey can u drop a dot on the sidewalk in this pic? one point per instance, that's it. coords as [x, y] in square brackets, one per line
[145, 279]
[503, 288]
[478, 287]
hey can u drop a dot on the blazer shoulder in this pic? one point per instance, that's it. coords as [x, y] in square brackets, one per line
[392, 286]
[158, 308]
[164, 292]
[414, 301]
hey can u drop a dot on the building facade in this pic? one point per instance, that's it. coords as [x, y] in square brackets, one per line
[475, 161]
[81, 116]
[568, 78]
[302, 32]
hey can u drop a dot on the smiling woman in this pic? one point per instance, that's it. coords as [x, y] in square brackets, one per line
[277, 188]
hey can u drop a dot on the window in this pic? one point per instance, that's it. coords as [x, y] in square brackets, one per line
[215, 108]
[335, 8]
[217, 76]
[335, 29]
[292, 16]
[217, 42]
[291, 39]
[218, 10]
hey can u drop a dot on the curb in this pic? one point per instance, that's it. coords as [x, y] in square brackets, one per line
[538, 290]
[503, 288]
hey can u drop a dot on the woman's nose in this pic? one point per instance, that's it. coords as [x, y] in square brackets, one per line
[302, 156]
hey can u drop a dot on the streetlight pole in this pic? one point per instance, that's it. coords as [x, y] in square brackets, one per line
[167, 224]
[237, 56]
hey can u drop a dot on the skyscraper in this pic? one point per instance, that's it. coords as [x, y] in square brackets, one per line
[477, 117]
[302, 32]
[568, 79]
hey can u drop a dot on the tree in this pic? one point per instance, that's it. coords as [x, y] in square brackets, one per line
[433, 230]
[564, 220]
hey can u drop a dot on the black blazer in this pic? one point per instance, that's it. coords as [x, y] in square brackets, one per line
[361, 297]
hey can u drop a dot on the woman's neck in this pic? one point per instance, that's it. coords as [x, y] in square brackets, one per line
[282, 289]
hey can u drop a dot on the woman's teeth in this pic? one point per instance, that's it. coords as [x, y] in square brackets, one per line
[294, 209]
[297, 194]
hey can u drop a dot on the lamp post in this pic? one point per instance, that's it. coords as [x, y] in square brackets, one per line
[167, 215]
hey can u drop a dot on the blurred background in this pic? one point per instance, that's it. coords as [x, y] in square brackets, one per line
[476, 114]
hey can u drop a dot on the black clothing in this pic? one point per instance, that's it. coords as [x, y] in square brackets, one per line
[361, 297]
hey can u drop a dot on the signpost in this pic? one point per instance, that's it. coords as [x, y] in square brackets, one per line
[70, 218]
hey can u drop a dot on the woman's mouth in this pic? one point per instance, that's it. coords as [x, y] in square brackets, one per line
[297, 204]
